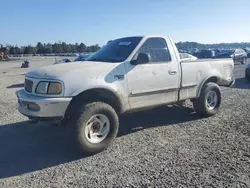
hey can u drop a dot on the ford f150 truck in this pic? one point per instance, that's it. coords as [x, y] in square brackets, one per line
[126, 75]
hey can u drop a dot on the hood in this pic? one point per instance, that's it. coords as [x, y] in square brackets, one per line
[59, 70]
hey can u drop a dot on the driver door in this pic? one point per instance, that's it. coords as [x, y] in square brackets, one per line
[156, 82]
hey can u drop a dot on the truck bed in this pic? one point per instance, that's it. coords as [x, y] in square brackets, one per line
[195, 72]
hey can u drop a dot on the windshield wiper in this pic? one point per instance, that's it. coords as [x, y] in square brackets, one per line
[104, 60]
[94, 59]
[109, 60]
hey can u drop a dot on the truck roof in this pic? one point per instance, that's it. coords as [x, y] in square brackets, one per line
[151, 36]
[148, 36]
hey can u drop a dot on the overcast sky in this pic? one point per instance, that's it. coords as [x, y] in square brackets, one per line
[97, 21]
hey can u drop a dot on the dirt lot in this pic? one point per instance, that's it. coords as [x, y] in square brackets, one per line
[166, 147]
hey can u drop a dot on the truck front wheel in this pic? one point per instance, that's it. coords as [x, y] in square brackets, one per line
[96, 127]
[209, 101]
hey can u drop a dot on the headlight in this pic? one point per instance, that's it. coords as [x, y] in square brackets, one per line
[42, 87]
[55, 88]
[52, 88]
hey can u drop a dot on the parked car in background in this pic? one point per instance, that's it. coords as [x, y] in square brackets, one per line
[182, 51]
[239, 56]
[187, 57]
[225, 54]
[79, 58]
[82, 57]
[75, 54]
[247, 72]
[126, 75]
[194, 50]
[247, 50]
[66, 60]
[205, 54]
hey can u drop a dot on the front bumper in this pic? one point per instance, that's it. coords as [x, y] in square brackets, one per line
[48, 108]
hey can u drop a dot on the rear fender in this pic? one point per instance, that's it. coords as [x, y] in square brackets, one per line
[214, 79]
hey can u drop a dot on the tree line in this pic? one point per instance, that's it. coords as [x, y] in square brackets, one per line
[63, 47]
[40, 48]
[191, 45]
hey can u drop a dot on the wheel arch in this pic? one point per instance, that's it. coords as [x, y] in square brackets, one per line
[213, 79]
[94, 95]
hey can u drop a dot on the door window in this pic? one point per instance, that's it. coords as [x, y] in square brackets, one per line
[157, 49]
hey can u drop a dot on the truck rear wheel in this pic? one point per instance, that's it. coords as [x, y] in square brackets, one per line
[209, 101]
[96, 127]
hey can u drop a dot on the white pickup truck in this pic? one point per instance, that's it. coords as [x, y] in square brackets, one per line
[126, 75]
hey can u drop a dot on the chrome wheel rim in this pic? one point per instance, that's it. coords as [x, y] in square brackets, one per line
[97, 128]
[212, 100]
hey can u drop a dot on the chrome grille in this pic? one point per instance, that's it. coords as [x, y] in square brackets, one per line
[28, 85]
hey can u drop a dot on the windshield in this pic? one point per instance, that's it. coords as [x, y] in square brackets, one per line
[117, 50]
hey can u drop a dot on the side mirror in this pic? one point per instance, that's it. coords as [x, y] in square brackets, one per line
[142, 58]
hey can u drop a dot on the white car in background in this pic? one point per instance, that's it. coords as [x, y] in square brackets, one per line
[187, 57]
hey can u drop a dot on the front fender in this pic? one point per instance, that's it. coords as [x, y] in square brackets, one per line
[112, 95]
[78, 91]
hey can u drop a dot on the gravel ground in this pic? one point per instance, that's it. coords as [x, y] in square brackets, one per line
[165, 147]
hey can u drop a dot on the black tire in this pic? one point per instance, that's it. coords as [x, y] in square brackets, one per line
[84, 114]
[200, 104]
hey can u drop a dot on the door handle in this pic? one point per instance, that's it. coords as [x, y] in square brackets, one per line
[172, 72]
